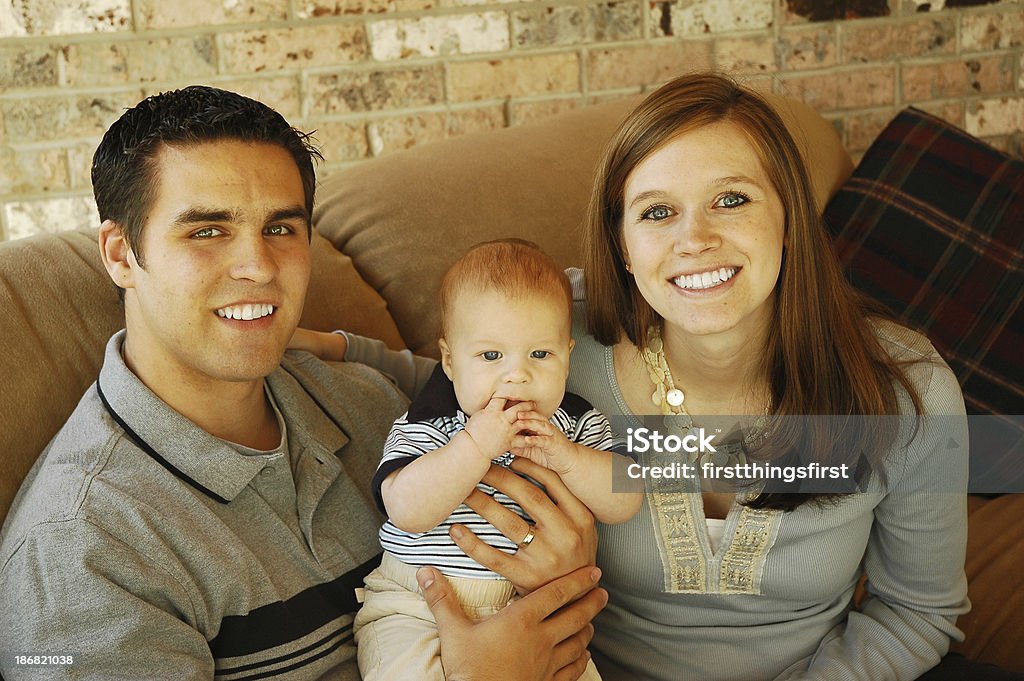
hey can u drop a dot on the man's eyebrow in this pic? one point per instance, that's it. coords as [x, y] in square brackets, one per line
[191, 216]
[291, 213]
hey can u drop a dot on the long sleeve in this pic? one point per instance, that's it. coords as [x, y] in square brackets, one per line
[915, 555]
[410, 372]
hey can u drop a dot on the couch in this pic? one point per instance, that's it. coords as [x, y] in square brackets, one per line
[387, 230]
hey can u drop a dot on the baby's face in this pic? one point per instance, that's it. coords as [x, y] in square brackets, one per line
[515, 349]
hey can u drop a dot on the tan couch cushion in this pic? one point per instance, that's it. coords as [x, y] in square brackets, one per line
[59, 308]
[404, 218]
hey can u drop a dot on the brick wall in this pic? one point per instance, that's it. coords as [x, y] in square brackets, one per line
[373, 76]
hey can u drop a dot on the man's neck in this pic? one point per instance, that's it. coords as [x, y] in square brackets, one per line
[235, 411]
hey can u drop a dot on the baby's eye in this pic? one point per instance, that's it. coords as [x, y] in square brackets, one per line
[539, 354]
[491, 355]
[656, 213]
[733, 200]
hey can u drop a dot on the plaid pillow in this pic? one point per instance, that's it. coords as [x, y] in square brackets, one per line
[932, 224]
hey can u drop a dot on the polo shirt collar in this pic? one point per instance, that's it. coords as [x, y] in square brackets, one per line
[205, 462]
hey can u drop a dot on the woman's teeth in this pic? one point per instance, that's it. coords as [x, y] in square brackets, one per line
[703, 280]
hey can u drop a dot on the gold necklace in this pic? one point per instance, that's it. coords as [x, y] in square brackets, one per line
[670, 400]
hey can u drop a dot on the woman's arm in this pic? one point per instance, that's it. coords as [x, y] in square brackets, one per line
[915, 555]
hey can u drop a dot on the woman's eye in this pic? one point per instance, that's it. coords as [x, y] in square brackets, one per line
[733, 200]
[539, 354]
[656, 213]
[491, 355]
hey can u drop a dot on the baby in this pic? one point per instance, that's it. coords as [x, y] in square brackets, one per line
[499, 391]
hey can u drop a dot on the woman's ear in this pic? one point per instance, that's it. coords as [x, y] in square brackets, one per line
[117, 255]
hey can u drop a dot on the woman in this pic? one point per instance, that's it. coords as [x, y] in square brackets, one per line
[708, 272]
[711, 290]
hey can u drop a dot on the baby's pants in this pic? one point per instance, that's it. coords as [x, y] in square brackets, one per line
[396, 635]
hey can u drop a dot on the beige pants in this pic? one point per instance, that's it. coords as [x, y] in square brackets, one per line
[396, 635]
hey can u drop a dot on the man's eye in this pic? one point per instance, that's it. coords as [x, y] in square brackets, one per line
[205, 233]
[539, 354]
[733, 200]
[656, 213]
[278, 230]
[491, 355]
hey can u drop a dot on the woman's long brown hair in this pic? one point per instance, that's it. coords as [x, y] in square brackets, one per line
[822, 355]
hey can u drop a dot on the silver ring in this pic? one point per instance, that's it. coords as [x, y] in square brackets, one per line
[528, 539]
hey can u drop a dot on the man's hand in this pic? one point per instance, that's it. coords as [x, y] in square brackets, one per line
[564, 534]
[494, 427]
[541, 637]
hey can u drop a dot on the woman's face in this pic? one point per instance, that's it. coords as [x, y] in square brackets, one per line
[702, 231]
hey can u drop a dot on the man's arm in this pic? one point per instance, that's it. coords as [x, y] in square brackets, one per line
[71, 589]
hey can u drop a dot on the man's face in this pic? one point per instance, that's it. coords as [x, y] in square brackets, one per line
[227, 266]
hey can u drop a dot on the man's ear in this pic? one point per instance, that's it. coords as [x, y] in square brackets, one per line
[117, 255]
[446, 357]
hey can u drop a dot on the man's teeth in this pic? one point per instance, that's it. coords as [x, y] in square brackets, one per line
[705, 279]
[246, 312]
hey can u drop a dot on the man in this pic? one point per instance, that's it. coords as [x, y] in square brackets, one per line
[206, 509]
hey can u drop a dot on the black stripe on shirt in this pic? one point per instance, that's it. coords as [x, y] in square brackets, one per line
[283, 622]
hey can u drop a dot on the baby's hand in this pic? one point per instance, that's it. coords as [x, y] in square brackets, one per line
[494, 427]
[542, 442]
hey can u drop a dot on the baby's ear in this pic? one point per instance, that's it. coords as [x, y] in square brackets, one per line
[446, 357]
[572, 344]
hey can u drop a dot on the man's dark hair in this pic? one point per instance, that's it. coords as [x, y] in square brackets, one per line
[124, 165]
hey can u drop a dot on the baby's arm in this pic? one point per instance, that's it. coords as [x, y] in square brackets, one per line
[586, 471]
[424, 492]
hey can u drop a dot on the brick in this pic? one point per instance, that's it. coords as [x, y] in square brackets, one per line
[689, 17]
[614, 21]
[64, 17]
[745, 55]
[434, 36]
[528, 112]
[47, 216]
[951, 112]
[80, 163]
[281, 94]
[30, 66]
[340, 140]
[465, 121]
[992, 31]
[543, 26]
[622, 67]
[163, 14]
[863, 88]
[880, 42]
[45, 119]
[277, 49]
[337, 8]
[139, 61]
[405, 132]
[862, 129]
[26, 171]
[997, 116]
[472, 3]
[354, 91]
[988, 75]
[807, 48]
[515, 77]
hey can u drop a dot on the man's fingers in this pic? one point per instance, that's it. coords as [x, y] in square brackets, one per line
[577, 588]
[440, 598]
[488, 556]
[576, 616]
[570, 656]
[556, 490]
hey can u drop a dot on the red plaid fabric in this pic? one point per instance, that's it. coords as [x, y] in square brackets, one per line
[932, 224]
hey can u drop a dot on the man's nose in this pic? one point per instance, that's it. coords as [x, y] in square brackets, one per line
[253, 259]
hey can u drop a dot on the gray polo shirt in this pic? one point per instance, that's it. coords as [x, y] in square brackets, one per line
[143, 547]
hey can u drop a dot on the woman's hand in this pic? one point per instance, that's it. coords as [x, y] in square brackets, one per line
[327, 346]
[541, 637]
[565, 537]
